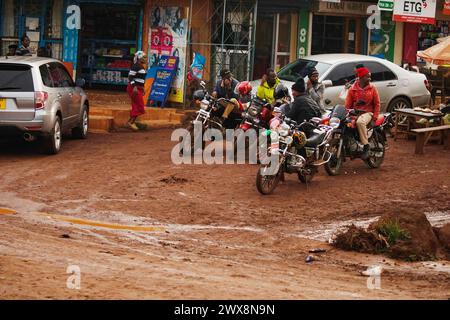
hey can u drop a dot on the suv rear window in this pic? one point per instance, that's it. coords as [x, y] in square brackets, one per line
[16, 78]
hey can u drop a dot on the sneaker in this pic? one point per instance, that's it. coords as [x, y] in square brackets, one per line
[365, 154]
[132, 126]
[141, 126]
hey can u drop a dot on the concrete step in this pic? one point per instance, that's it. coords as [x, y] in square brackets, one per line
[100, 123]
[160, 124]
[157, 117]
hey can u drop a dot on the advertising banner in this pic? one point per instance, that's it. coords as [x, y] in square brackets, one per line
[418, 11]
[164, 76]
[168, 36]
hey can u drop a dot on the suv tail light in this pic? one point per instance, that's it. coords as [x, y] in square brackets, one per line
[40, 97]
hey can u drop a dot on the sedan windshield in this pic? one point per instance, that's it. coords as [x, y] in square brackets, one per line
[301, 68]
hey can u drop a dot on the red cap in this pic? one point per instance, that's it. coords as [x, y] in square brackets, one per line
[361, 72]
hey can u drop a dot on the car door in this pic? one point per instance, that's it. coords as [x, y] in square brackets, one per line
[339, 76]
[74, 95]
[384, 80]
[62, 94]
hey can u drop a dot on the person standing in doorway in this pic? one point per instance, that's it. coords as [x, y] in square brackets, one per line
[24, 50]
[135, 88]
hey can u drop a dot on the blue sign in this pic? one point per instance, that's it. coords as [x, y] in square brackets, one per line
[164, 76]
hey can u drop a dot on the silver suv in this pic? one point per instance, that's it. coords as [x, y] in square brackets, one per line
[39, 100]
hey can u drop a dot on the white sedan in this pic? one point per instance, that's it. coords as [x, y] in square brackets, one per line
[398, 88]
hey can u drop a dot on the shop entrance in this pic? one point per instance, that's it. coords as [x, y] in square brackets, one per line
[108, 41]
[336, 34]
[272, 48]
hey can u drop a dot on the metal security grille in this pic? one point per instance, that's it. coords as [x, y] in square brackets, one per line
[233, 37]
[224, 32]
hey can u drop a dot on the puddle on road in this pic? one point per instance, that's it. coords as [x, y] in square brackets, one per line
[6, 211]
[91, 223]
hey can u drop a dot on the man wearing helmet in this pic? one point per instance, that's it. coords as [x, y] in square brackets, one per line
[364, 96]
[282, 98]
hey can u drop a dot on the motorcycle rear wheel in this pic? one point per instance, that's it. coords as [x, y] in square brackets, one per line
[373, 161]
[266, 184]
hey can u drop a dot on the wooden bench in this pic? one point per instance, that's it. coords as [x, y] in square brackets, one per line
[423, 134]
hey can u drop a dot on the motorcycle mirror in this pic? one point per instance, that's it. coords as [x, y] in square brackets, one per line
[327, 83]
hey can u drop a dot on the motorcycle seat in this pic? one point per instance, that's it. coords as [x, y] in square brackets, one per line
[315, 140]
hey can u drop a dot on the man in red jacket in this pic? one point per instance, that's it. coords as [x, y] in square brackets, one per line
[364, 96]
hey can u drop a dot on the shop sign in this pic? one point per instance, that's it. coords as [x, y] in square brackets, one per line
[343, 7]
[446, 7]
[415, 11]
[303, 31]
[386, 5]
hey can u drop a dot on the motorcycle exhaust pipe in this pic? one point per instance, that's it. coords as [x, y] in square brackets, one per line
[28, 137]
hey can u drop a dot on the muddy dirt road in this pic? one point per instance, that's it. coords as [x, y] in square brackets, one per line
[139, 227]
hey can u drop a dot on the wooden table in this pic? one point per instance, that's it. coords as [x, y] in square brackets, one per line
[411, 118]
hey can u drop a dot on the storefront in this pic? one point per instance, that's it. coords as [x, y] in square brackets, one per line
[277, 27]
[418, 37]
[340, 27]
[41, 21]
[109, 38]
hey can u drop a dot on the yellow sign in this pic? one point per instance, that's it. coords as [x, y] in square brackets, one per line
[2, 104]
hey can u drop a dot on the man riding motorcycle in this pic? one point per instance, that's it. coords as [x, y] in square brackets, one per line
[303, 108]
[364, 96]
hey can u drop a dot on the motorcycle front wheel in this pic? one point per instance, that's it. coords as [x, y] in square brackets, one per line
[333, 167]
[265, 183]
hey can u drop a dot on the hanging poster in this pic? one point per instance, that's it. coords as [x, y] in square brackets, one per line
[382, 41]
[446, 9]
[169, 37]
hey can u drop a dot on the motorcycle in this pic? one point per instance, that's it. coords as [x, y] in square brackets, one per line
[257, 115]
[345, 141]
[209, 116]
[299, 149]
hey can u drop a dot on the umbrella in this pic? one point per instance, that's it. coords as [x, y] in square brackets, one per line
[438, 54]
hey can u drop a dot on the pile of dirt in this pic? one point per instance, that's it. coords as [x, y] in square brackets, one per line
[404, 234]
[358, 239]
[443, 235]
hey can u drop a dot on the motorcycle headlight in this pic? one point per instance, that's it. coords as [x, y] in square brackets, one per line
[204, 104]
[284, 130]
[335, 122]
[288, 140]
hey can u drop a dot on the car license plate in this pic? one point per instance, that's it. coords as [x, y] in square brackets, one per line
[2, 104]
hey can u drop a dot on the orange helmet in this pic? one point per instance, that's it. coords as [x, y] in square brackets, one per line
[244, 88]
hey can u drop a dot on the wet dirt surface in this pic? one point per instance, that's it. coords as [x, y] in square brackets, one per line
[140, 227]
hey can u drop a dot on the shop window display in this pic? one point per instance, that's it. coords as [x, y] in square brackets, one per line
[428, 34]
